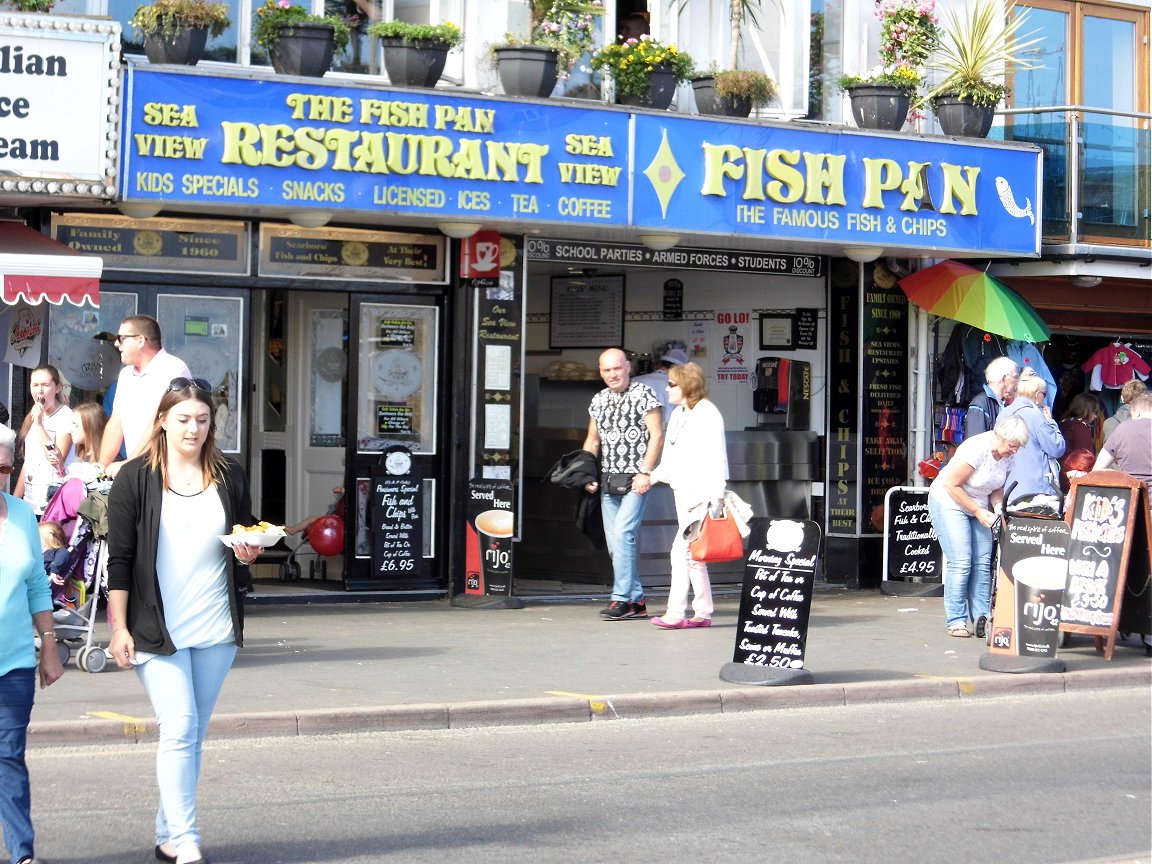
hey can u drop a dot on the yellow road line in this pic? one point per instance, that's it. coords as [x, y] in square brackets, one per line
[133, 726]
[967, 685]
[598, 704]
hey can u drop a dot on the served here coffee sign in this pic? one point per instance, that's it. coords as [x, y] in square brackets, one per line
[776, 598]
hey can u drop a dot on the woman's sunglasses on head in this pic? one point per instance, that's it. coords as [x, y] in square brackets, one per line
[184, 383]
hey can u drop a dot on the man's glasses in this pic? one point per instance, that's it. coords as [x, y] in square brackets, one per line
[120, 337]
[5, 470]
[183, 383]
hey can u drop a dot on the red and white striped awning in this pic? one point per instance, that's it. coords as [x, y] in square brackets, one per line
[35, 268]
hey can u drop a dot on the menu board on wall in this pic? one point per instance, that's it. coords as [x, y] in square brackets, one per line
[586, 312]
[397, 365]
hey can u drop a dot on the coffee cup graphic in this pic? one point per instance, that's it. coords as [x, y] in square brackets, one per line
[1039, 592]
[494, 529]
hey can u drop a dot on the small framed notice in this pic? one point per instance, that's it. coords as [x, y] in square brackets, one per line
[586, 312]
[776, 332]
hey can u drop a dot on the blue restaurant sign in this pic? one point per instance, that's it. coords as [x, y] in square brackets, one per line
[208, 139]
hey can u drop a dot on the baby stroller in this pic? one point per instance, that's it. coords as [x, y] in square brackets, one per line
[324, 536]
[75, 619]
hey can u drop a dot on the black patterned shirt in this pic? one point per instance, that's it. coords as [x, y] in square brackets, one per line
[620, 423]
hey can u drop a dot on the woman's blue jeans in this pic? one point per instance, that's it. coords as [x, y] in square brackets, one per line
[17, 690]
[968, 547]
[183, 690]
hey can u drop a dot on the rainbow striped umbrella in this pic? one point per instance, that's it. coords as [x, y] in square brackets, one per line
[962, 293]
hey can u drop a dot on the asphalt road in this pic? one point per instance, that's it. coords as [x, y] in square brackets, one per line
[1043, 778]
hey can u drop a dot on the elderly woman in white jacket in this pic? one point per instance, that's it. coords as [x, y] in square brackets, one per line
[694, 462]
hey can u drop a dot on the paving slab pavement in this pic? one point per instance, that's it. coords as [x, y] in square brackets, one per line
[326, 668]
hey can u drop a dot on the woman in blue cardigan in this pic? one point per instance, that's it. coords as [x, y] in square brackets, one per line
[24, 598]
[175, 609]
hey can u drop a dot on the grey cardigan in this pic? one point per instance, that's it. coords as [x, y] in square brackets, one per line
[133, 537]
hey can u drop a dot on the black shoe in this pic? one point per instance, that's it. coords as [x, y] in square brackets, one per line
[615, 610]
[161, 855]
[622, 611]
[981, 626]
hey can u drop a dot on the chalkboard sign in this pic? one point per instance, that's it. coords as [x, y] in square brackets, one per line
[776, 598]
[913, 559]
[397, 515]
[1110, 528]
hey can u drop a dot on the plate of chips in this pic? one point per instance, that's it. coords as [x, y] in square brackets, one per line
[261, 534]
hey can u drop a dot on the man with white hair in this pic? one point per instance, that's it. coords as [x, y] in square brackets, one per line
[1000, 377]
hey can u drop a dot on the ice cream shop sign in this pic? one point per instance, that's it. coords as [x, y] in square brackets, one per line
[45, 63]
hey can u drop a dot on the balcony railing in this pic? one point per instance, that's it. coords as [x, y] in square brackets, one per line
[1097, 179]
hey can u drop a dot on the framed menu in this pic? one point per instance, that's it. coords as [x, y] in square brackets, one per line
[398, 354]
[586, 312]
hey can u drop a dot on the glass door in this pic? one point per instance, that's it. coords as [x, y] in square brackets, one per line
[395, 447]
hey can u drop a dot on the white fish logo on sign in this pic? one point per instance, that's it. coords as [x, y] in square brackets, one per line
[1004, 190]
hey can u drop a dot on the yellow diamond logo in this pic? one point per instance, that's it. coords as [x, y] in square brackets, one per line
[664, 174]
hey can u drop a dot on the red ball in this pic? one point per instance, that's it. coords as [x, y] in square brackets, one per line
[326, 535]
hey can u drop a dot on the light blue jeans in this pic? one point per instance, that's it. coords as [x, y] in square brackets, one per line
[183, 689]
[968, 577]
[17, 690]
[622, 517]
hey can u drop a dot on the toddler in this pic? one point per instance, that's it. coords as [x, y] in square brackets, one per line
[55, 547]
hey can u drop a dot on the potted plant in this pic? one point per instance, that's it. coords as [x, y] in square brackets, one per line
[645, 71]
[415, 54]
[176, 31]
[976, 47]
[561, 31]
[734, 92]
[298, 42]
[882, 97]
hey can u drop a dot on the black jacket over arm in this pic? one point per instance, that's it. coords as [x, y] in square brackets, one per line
[133, 538]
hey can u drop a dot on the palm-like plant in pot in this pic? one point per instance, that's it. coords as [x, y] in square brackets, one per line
[733, 91]
[977, 45]
[560, 32]
[176, 31]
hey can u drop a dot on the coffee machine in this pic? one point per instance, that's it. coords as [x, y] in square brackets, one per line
[782, 397]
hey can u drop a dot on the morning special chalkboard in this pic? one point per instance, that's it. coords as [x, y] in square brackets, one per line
[1109, 545]
[913, 560]
[776, 598]
[397, 515]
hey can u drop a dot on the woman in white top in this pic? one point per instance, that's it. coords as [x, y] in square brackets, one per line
[962, 502]
[47, 439]
[173, 591]
[694, 462]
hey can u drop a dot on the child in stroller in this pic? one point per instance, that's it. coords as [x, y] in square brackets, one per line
[76, 595]
[57, 560]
